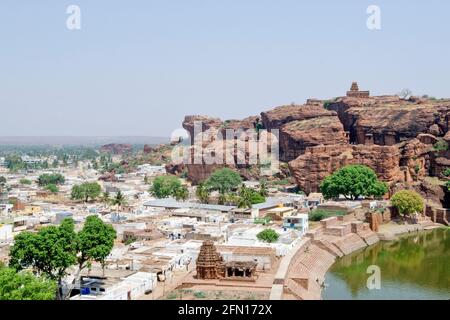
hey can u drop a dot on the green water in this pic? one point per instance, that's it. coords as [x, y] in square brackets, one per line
[415, 267]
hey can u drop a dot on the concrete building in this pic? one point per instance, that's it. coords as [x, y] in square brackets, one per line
[298, 222]
[6, 232]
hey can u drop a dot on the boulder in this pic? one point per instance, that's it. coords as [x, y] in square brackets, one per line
[297, 135]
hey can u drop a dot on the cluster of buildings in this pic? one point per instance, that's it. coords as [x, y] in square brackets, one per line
[162, 244]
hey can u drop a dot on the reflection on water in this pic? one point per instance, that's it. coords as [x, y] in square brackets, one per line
[414, 267]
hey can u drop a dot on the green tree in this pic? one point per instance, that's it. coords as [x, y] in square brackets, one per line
[50, 251]
[2, 181]
[119, 200]
[203, 192]
[224, 180]
[352, 182]
[95, 242]
[52, 188]
[268, 235]
[54, 178]
[25, 286]
[86, 191]
[407, 202]
[248, 197]
[447, 184]
[165, 186]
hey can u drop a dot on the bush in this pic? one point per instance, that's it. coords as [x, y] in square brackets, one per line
[199, 294]
[25, 181]
[320, 214]
[317, 216]
[52, 188]
[172, 296]
[256, 198]
[407, 202]
[441, 145]
[446, 172]
[268, 235]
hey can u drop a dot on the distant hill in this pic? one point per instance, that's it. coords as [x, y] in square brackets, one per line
[85, 141]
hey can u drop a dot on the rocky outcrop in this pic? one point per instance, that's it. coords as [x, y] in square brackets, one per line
[117, 149]
[415, 157]
[311, 168]
[279, 116]
[207, 123]
[388, 120]
[393, 136]
[297, 135]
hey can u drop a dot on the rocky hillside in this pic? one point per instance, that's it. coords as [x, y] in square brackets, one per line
[404, 141]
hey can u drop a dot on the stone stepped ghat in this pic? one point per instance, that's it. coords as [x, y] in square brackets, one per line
[343, 235]
[336, 237]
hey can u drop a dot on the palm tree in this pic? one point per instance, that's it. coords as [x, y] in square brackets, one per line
[119, 200]
[245, 198]
[263, 189]
[203, 192]
[105, 198]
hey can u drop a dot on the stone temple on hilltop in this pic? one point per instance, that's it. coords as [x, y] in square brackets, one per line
[356, 93]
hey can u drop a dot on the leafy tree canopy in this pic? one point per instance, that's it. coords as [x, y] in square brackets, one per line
[224, 180]
[50, 251]
[25, 286]
[165, 186]
[407, 202]
[95, 240]
[54, 178]
[86, 191]
[352, 182]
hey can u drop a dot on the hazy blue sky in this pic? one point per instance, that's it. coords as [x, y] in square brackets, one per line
[137, 67]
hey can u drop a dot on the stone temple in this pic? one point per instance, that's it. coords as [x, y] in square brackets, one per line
[209, 262]
[356, 93]
[210, 265]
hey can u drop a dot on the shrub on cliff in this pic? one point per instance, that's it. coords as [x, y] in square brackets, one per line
[407, 202]
[441, 145]
[352, 182]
